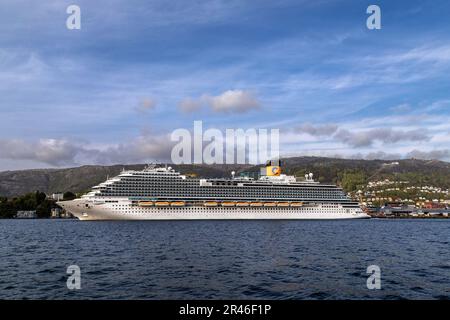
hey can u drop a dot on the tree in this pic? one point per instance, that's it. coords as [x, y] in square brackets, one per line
[44, 209]
[68, 195]
[352, 181]
[40, 197]
[7, 209]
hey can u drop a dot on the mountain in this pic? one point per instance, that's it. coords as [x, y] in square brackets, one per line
[347, 172]
[80, 179]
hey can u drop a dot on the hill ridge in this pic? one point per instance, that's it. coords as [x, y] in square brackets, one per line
[82, 178]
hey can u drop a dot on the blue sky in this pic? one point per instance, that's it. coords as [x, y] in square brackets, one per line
[113, 91]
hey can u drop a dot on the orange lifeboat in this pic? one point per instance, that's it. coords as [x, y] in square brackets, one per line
[210, 204]
[283, 204]
[242, 204]
[270, 204]
[228, 204]
[296, 204]
[162, 203]
[256, 204]
[177, 204]
[145, 203]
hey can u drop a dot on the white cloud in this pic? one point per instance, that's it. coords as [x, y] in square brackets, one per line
[50, 151]
[436, 154]
[231, 101]
[359, 138]
[429, 155]
[140, 150]
[384, 135]
[317, 130]
[234, 101]
[378, 155]
[64, 152]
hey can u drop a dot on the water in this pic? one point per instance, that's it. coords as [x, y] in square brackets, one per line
[225, 259]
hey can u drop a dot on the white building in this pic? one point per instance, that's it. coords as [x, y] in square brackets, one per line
[57, 196]
[31, 214]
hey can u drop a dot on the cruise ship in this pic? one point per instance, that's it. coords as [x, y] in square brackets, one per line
[161, 193]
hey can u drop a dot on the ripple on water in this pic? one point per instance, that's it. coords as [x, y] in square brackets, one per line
[225, 259]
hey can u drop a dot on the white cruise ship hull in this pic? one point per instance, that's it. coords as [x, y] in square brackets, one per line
[86, 210]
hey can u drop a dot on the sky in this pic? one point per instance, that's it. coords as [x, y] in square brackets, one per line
[113, 91]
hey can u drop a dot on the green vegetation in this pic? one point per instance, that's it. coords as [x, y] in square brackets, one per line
[350, 180]
[353, 181]
[69, 195]
[345, 172]
[437, 179]
[30, 201]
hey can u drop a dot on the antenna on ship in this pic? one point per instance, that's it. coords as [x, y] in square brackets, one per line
[232, 174]
[150, 166]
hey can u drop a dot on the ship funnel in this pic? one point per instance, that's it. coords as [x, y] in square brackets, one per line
[273, 168]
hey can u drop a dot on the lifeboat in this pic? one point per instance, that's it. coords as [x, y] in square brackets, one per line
[145, 203]
[256, 204]
[177, 204]
[296, 204]
[210, 204]
[283, 204]
[242, 204]
[228, 204]
[162, 203]
[270, 204]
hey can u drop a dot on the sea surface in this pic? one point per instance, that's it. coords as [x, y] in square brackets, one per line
[225, 259]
